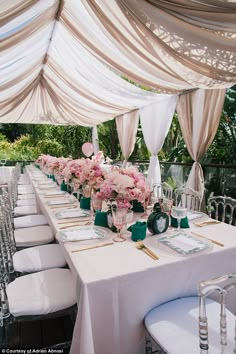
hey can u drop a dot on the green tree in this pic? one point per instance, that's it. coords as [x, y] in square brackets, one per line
[108, 140]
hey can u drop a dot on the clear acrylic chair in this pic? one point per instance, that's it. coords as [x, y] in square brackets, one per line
[35, 297]
[196, 324]
[222, 208]
[188, 198]
[32, 259]
[166, 191]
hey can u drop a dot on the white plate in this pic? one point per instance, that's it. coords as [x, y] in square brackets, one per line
[192, 215]
[83, 234]
[70, 214]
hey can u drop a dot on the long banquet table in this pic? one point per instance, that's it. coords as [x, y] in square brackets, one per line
[118, 285]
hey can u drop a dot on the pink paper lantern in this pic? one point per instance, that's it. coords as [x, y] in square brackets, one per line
[87, 149]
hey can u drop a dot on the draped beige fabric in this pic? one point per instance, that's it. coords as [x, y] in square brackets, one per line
[12, 8]
[199, 116]
[127, 126]
[63, 71]
[197, 51]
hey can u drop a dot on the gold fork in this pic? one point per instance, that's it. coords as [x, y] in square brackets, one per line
[141, 246]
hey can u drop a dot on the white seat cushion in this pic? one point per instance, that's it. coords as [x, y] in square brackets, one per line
[28, 190]
[25, 210]
[30, 221]
[33, 236]
[39, 258]
[26, 196]
[25, 202]
[41, 293]
[175, 326]
[23, 182]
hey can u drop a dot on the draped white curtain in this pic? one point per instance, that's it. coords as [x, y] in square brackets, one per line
[95, 140]
[199, 115]
[155, 121]
[127, 126]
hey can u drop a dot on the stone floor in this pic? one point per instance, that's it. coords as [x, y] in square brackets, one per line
[40, 334]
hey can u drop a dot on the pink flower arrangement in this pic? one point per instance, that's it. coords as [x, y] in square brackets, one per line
[110, 182]
[124, 185]
[85, 172]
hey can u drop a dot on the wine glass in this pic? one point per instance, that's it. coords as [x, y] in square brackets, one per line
[86, 190]
[145, 203]
[119, 220]
[166, 208]
[3, 162]
[96, 202]
[178, 213]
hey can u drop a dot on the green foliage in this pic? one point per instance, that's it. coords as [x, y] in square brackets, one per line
[108, 140]
[230, 105]
[2, 137]
[20, 150]
[224, 145]
[51, 147]
[171, 182]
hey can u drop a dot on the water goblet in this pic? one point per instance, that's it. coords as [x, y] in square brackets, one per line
[96, 203]
[86, 190]
[178, 213]
[119, 220]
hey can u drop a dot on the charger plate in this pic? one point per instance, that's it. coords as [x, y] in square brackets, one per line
[61, 201]
[57, 192]
[185, 244]
[47, 186]
[83, 234]
[70, 214]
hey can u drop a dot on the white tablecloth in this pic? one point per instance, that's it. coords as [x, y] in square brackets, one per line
[118, 285]
[5, 174]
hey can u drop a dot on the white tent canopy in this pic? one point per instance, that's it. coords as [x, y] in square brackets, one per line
[60, 58]
[62, 62]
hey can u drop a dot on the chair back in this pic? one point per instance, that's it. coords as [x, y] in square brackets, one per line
[166, 191]
[222, 208]
[222, 286]
[188, 198]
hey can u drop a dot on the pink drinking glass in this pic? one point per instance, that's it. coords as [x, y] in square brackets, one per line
[119, 220]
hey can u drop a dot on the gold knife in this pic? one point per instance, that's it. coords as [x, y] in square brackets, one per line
[93, 246]
[74, 225]
[209, 239]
